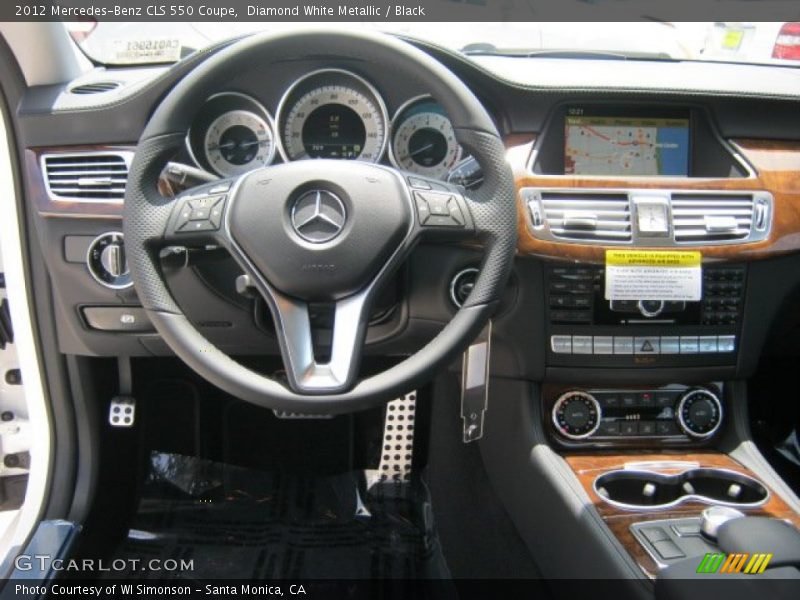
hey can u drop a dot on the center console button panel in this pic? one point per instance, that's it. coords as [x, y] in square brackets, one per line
[643, 333]
[671, 540]
[671, 415]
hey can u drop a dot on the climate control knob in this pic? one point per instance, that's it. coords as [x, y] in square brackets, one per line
[576, 415]
[106, 261]
[699, 413]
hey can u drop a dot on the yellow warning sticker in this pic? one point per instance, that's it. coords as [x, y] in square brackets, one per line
[653, 275]
[653, 258]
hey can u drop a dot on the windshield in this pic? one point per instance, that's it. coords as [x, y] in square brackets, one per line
[763, 42]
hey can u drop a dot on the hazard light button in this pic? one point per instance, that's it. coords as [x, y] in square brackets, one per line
[647, 345]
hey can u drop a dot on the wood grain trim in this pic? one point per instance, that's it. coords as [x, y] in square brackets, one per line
[47, 206]
[777, 167]
[588, 467]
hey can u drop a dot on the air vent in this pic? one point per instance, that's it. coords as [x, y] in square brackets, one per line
[97, 87]
[89, 176]
[591, 216]
[687, 217]
[698, 218]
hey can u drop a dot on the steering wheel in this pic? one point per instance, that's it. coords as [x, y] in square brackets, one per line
[319, 230]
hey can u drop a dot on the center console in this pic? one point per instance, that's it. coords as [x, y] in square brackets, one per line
[586, 330]
[654, 503]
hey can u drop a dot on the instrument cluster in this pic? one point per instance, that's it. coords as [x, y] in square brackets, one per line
[328, 113]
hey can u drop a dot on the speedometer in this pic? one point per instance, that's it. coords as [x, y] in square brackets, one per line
[424, 141]
[332, 114]
[237, 142]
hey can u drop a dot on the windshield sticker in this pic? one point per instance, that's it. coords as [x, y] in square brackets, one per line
[144, 50]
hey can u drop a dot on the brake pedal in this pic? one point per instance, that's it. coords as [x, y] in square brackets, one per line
[122, 411]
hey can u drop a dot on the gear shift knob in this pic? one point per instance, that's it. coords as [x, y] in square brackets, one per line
[714, 516]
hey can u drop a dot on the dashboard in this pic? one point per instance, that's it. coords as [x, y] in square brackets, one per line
[686, 165]
[325, 113]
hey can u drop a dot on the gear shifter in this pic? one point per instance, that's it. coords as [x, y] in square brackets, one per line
[714, 517]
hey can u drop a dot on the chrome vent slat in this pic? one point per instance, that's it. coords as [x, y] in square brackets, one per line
[693, 216]
[596, 234]
[590, 216]
[610, 214]
[599, 224]
[577, 203]
[698, 202]
[60, 181]
[90, 176]
[88, 168]
[691, 212]
[100, 191]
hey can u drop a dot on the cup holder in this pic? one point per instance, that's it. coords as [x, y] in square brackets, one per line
[647, 490]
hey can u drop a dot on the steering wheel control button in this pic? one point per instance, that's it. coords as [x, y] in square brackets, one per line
[699, 413]
[318, 216]
[438, 204]
[200, 214]
[220, 188]
[436, 209]
[106, 261]
[419, 184]
[576, 415]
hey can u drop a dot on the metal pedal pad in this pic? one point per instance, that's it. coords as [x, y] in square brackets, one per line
[122, 411]
[397, 453]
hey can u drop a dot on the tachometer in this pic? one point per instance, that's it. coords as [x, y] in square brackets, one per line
[424, 141]
[238, 141]
[332, 114]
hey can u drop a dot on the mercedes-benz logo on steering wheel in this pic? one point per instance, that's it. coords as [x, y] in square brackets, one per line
[318, 216]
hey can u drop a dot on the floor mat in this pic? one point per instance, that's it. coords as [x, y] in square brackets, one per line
[239, 523]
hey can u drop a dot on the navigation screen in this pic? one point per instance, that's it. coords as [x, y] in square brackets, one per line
[602, 145]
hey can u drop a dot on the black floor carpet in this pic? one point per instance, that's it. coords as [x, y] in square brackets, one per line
[239, 523]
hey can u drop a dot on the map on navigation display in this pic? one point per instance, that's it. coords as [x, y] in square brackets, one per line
[626, 146]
